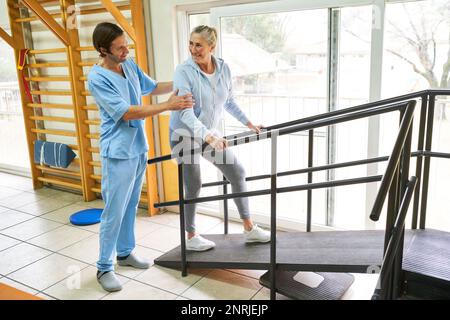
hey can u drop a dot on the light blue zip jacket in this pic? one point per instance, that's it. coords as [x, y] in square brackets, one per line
[210, 100]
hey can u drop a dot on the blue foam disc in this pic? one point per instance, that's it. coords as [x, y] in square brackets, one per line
[86, 217]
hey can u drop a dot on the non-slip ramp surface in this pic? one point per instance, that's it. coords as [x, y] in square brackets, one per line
[429, 254]
[300, 286]
[328, 251]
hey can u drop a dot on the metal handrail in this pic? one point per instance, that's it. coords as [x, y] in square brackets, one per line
[332, 119]
[393, 162]
[395, 239]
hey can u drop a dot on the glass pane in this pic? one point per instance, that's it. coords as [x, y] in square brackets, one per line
[279, 66]
[353, 89]
[415, 57]
[198, 19]
[13, 143]
[416, 46]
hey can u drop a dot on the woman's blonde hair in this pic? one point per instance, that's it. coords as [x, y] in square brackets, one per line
[208, 33]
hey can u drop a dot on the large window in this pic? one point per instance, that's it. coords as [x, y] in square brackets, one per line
[13, 145]
[290, 60]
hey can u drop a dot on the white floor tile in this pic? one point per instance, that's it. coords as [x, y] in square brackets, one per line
[43, 206]
[19, 256]
[362, 288]
[80, 286]
[20, 200]
[95, 228]
[12, 217]
[144, 228]
[233, 227]
[8, 192]
[63, 215]
[46, 192]
[255, 274]
[98, 203]
[60, 238]
[86, 250]
[133, 290]
[18, 286]
[169, 279]
[31, 228]
[68, 197]
[162, 239]
[48, 271]
[3, 209]
[6, 242]
[223, 285]
[167, 219]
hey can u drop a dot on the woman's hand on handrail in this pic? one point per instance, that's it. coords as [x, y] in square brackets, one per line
[218, 143]
[257, 128]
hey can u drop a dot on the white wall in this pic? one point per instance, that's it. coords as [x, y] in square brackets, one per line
[4, 19]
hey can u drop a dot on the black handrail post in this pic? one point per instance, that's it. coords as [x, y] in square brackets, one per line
[426, 170]
[394, 242]
[393, 162]
[310, 178]
[273, 214]
[392, 208]
[405, 165]
[182, 221]
[225, 207]
[419, 161]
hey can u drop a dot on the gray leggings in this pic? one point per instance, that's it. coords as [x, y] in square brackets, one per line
[232, 169]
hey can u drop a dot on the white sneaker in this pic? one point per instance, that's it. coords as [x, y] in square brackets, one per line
[198, 243]
[257, 235]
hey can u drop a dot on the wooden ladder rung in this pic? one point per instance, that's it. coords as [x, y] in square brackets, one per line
[44, 51]
[96, 177]
[92, 107]
[47, 79]
[94, 150]
[55, 119]
[62, 171]
[93, 135]
[95, 163]
[51, 93]
[47, 65]
[34, 18]
[83, 78]
[73, 147]
[92, 48]
[86, 63]
[101, 9]
[97, 189]
[61, 182]
[64, 133]
[85, 93]
[50, 105]
[41, 2]
[92, 122]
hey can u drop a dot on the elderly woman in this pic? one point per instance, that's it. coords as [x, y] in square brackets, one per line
[208, 79]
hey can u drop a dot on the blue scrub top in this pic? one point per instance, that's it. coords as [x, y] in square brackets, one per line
[114, 94]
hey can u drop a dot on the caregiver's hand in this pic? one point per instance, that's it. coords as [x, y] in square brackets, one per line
[180, 102]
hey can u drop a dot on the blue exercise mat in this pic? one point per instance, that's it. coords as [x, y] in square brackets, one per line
[86, 217]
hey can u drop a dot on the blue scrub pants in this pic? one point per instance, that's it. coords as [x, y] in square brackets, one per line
[121, 189]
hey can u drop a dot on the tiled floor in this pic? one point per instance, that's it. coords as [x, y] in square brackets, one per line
[43, 254]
